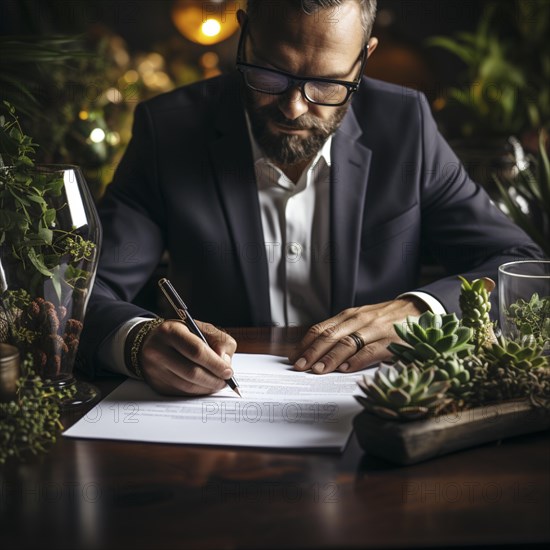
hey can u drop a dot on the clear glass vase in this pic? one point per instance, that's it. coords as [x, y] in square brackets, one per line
[524, 300]
[51, 238]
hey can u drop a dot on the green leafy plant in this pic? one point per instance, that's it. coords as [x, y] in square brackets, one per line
[526, 197]
[28, 223]
[506, 86]
[37, 254]
[445, 365]
[532, 318]
[29, 424]
[25, 60]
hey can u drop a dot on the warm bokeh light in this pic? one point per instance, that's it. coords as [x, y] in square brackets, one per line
[113, 138]
[209, 62]
[211, 27]
[131, 76]
[205, 22]
[83, 115]
[113, 95]
[97, 135]
[439, 103]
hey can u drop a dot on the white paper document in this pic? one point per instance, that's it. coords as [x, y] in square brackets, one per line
[280, 408]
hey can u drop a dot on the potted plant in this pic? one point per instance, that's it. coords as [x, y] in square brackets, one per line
[50, 237]
[453, 384]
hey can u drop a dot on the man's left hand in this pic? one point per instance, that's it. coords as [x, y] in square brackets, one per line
[328, 346]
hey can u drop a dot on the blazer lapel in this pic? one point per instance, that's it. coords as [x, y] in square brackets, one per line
[231, 161]
[349, 175]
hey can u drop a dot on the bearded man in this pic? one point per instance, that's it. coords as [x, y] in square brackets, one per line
[293, 191]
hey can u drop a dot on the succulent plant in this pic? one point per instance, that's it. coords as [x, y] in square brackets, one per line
[509, 370]
[445, 362]
[531, 317]
[403, 392]
[525, 354]
[449, 368]
[475, 306]
[431, 336]
[491, 382]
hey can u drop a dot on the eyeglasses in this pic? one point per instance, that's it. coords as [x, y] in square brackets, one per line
[317, 90]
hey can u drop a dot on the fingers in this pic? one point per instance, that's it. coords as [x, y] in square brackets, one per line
[331, 330]
[328, 346]
[168, 374]
[367, 356]
[345, 356]
[176, 361]
[221, 342]
[177, 336]
[333, 345]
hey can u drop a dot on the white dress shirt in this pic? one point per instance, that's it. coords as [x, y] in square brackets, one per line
[296, 229]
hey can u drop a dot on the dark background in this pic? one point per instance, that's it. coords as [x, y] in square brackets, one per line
[402, 25]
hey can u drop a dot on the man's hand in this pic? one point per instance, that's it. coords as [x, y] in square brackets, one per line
[328, 346]
[176, 362]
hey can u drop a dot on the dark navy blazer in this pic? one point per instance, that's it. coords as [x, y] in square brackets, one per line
[186, 184]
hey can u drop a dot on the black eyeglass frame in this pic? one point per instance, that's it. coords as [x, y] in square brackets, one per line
[293, 80]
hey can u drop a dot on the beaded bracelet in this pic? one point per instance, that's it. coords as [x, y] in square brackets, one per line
[137, 344]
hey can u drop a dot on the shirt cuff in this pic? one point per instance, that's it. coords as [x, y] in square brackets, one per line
[111, 350]
[434, 305]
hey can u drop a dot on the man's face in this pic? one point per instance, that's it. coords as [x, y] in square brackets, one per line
[327, 44]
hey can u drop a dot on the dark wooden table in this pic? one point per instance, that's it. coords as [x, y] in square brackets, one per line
[108, 494]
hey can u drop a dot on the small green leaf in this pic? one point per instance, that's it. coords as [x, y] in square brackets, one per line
[37, 199]
[55, 187]
[46, 235]
[401, 331]
[478, 285]
[375, 393]
[446, 343]
[426, 319]
[434, 335]
[398, 398]
[398, 349]
[381, 380]
[26, 160]
[464, 335]
[447, 318]
[38, 262]
[465, 283]
[426, 351]
[49, 216]
[419, 332]
[426, 377]
[450, 327]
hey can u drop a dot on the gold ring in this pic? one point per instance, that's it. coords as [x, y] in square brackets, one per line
[358, 339]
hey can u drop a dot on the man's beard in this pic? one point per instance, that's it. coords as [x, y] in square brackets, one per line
[288, 149]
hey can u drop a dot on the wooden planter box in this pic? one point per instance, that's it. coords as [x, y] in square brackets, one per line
[411, 442]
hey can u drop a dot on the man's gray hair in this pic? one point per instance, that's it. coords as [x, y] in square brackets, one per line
[368, 9]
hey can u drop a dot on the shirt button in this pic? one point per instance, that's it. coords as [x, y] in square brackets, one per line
[294, 250]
